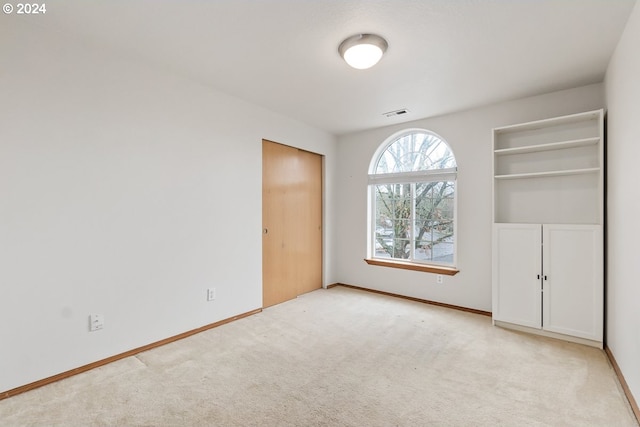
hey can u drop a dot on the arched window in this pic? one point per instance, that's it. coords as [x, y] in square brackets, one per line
[412, 182]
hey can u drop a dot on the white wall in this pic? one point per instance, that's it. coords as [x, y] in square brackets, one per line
[622, 85]
[469, 134]
[124, 191]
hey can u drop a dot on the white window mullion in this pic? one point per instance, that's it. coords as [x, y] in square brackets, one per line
[373, 205]
[412, 222]
[419, 176]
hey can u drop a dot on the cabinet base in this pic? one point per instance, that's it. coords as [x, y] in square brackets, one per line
[506, 325]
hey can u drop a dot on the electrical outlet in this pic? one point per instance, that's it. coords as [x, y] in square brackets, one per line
[96, 322]
[439, 278]
[211, 294]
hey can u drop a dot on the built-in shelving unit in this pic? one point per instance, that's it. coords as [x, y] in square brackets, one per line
[548, 215]
[549, 171]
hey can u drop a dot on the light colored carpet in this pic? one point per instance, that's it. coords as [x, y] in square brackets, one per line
[341, 357]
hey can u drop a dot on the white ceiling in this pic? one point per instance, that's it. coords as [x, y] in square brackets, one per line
[443, 56]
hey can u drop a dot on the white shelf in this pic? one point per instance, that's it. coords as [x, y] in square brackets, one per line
[548, 173]
[576, 143]
[546, 123]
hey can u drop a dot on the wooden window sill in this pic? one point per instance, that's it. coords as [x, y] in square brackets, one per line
[448, 271]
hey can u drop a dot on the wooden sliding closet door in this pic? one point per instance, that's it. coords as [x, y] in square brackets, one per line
[291, 221]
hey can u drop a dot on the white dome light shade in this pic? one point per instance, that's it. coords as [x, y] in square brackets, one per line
[363, 51]
[363, 56]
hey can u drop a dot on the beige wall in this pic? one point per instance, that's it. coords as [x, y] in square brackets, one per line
[622, 85]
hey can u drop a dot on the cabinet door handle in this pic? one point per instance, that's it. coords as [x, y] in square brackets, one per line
[538, 277]
[545, 277]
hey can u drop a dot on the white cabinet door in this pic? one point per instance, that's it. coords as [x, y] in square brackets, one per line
[516, 274]
[573, 289]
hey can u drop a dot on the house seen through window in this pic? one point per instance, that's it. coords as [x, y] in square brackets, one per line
[412, 184]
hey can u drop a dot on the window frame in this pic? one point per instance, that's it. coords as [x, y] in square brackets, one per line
[412, 178]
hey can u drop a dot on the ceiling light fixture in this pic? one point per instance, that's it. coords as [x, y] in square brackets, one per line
[363, 51]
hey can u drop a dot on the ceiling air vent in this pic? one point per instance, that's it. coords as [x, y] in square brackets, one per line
[396, 113]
